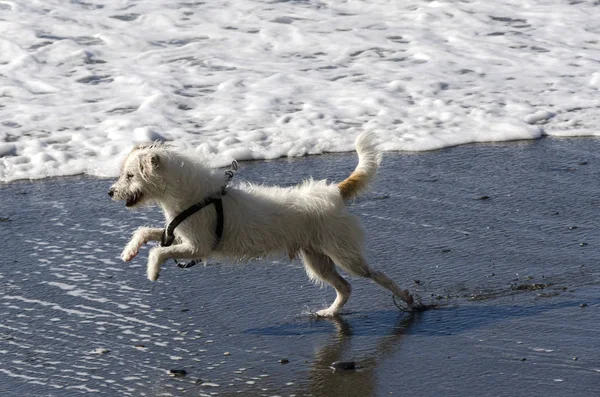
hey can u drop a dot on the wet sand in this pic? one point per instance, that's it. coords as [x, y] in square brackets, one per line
[503, 238]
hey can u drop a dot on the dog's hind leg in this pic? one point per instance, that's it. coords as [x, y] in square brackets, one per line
[321, 268]
[354, 263]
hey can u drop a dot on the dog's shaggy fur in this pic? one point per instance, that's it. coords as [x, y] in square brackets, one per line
[309, 220]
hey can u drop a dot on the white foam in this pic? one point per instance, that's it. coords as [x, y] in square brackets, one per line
[81, 82]
[52, 305]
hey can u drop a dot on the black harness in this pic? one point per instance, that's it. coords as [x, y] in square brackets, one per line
[168, 236]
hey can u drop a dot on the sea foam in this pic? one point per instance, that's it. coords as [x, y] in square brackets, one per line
[82, 81]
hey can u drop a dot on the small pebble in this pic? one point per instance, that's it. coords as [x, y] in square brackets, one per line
[345, 365]
[177, 372]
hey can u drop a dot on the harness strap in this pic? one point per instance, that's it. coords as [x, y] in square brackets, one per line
[168, 236]
[168, 233]
[220, 219]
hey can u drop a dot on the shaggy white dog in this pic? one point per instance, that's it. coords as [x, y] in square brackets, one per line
[309, 220]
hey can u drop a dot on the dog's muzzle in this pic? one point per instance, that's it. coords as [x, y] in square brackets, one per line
[130, 200]
[133, 199]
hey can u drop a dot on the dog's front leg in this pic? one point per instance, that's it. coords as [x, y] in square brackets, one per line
[139, 238]
[158, 256]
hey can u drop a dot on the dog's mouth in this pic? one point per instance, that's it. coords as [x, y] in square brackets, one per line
[134, 199]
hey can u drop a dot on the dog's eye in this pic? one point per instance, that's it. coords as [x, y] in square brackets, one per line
[129, 175]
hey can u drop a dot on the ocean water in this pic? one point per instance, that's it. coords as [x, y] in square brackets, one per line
[516, 276]
[81, 81]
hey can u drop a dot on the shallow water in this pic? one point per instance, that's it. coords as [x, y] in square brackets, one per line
[515, 276]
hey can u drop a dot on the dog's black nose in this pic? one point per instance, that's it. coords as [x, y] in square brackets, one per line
[111, 192]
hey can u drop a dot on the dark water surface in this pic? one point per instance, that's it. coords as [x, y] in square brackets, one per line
[503, 237]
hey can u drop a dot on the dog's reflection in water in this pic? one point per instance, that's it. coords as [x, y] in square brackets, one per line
[323, 381]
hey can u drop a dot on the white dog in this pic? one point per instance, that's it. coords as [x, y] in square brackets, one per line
[309, 220]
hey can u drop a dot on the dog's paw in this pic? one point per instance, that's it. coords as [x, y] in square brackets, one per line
[153, 275]
[407, 297]
[153, 267]
[129, 253]
[327, 313]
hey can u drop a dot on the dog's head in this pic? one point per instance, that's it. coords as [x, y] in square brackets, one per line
[140, 181]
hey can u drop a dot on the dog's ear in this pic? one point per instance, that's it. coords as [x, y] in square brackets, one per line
[148, 163]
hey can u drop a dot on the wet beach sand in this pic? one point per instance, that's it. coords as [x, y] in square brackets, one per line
[502, 238]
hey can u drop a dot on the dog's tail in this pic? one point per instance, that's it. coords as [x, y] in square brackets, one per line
[368, 162]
